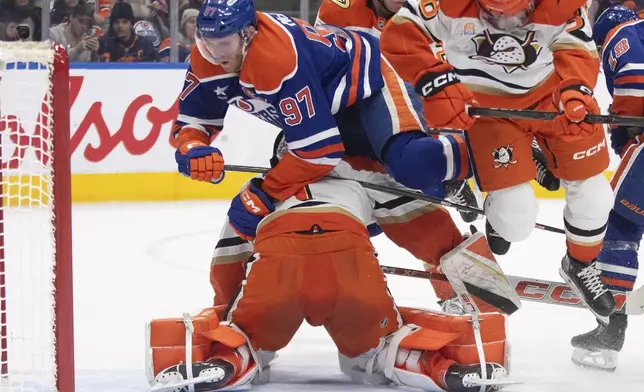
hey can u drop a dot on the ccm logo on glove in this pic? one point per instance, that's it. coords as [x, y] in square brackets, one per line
[250, 203]
[434, 82]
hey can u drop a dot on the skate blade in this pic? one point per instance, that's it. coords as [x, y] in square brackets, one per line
[174, 385]
[590, 366]
[603, 319]
[602, 360]
[495, 382]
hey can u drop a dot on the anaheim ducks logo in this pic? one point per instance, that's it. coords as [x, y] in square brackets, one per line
[506, 50]
[342, 3]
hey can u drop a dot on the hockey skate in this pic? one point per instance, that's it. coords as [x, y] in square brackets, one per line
[459, 192]
[544, 177]
[203, 376]
[585, 279]
[498, 245]
[599, 348]
[467, 378]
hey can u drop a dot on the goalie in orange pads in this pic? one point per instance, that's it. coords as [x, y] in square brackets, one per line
[317, 251]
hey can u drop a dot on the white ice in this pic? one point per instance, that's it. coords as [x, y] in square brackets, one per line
[135, 262]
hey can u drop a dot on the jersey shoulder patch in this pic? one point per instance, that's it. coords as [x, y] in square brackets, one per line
[352, 13]
[272, 56]
[342, 3]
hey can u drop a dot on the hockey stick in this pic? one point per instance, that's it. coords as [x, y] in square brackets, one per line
[542, 291]
[632, 121]
[394, 191]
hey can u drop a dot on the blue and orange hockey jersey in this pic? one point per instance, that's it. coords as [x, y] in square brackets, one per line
[295, 77]
[623, 63]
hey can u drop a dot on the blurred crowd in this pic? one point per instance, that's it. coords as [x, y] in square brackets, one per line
[134, 30]
[105, 30]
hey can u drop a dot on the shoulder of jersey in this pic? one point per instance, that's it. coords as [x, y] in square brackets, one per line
[272, 56]
[455, 8]
[624, 30]
[556, 12]
[202, 68]
[345, 13]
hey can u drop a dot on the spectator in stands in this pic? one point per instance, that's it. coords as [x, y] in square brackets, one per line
[121, 43]
[189, 4]
[79, 35]
[19, 12]
[188, 26]
[62, 10]
[155, 13]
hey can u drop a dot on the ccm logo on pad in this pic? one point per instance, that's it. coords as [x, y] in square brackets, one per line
[590, 152]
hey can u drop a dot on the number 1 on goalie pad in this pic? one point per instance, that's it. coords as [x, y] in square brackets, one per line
[473, 271]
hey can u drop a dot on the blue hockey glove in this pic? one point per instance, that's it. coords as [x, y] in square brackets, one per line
[200, 162]
[248, 208]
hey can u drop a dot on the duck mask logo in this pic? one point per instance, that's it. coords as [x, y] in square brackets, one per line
[507, 50]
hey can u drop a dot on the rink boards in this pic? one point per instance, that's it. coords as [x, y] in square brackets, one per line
[121, 118]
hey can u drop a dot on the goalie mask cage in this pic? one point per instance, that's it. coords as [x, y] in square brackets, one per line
[36, 330]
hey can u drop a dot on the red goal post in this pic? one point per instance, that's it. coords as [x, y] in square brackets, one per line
[36, 302]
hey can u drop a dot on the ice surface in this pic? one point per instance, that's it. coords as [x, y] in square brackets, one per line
[134, 262]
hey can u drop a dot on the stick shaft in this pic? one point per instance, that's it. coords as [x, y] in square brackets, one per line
[533, 290]
[397, 192]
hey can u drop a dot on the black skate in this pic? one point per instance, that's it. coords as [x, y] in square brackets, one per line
[206, 376]
[584, 279]
[545, 178]
[498, 245]
[459, 192]
[467, 378]
[599, 348]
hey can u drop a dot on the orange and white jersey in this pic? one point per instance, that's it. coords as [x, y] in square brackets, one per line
[357, 15]
[513, 70]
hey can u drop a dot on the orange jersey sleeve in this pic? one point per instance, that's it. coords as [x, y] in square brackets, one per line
[574, 51]
[407, 46]
[350, 14]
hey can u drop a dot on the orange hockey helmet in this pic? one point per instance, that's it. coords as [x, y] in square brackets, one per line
[506, 15]
[506, 7]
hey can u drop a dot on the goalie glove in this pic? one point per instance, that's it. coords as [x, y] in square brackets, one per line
[248, 208]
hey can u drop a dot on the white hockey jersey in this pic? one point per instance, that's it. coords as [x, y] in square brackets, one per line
[512, 70]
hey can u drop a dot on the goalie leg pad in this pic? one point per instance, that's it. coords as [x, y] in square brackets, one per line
[166, 340]
[199, 351]
[463, 349]
[472, 269]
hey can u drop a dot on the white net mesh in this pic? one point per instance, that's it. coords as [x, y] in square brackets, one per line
[27, 245]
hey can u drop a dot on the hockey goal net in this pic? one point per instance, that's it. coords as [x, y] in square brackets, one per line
[36, 315]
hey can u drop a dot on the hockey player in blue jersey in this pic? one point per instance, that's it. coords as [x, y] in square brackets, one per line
[333, 96]
[303, 80]
[620, 35]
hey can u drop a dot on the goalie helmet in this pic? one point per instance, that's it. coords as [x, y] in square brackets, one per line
[609, 19]
[506, 15]
[222, 27]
